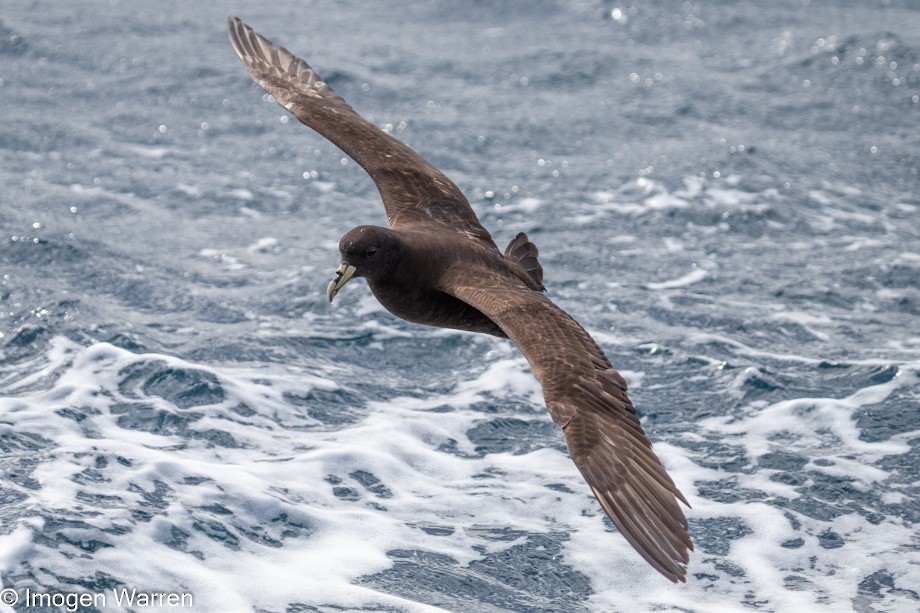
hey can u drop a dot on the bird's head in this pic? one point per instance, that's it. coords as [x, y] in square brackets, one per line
[371, 252]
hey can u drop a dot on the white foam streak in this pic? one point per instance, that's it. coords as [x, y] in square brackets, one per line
[756, 429]
[694, 276]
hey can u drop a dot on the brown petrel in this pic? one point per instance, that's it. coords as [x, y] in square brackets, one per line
[437, 265]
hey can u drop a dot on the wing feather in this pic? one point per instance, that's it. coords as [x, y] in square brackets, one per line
[413, 191]
[587, 398]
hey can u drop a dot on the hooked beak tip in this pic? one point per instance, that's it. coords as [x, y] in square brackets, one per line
[343, 275]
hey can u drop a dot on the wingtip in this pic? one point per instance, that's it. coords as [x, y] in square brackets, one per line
[232, 22]
[674, 574]
[666, 551]
[235, 29]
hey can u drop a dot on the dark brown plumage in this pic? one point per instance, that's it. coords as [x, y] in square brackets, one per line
[437, 265]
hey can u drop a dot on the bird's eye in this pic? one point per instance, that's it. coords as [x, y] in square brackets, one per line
[370, 252]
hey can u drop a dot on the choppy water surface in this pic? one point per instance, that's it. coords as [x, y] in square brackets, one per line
[724, 194]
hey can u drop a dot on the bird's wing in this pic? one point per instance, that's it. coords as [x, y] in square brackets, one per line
[413, 191]
[587, 398]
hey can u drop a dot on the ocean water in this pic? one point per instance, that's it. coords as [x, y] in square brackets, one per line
[725, 194]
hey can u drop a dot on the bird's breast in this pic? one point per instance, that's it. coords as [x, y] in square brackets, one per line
[432, 308]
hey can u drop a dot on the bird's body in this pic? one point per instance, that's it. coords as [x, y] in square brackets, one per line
[436, 265]
[415, 282]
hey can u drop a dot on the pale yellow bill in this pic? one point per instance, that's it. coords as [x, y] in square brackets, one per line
[342, 275]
